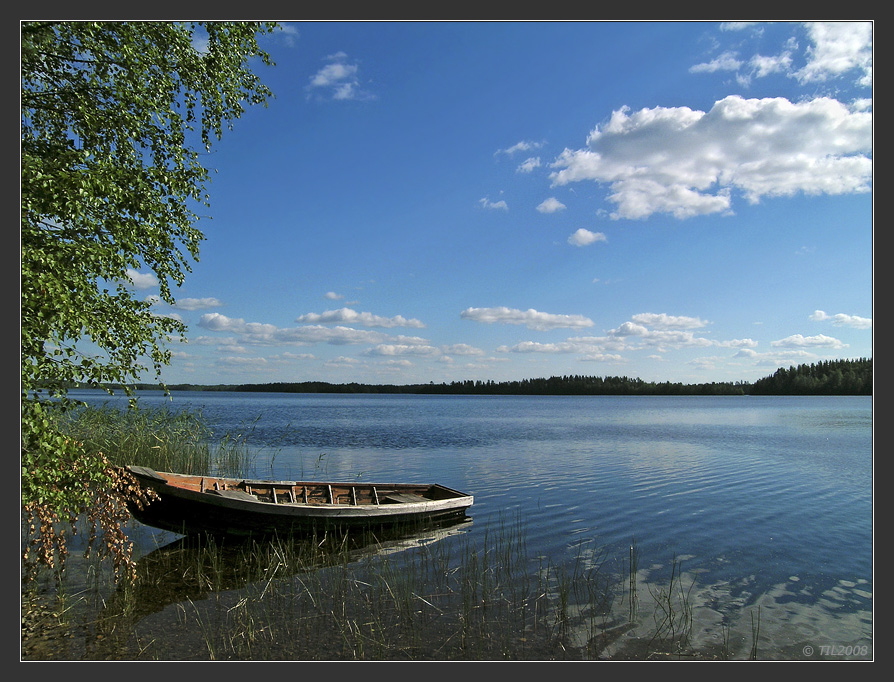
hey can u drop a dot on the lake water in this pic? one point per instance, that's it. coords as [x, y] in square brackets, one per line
[762, 501]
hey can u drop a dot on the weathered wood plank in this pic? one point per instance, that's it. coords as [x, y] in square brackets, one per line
[404, 497]
[235, 495]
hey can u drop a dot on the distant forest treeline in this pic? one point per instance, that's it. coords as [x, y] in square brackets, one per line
[832, 377]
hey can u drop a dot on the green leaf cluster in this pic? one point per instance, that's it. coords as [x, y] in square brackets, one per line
[116, 120]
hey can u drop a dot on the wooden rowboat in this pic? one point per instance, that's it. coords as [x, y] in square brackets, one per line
[231, 506]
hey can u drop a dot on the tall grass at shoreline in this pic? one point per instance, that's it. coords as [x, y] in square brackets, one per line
[158, 438]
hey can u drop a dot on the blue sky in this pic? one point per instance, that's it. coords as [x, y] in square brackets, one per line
[446, 201]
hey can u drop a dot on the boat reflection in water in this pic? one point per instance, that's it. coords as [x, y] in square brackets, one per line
[197, 567]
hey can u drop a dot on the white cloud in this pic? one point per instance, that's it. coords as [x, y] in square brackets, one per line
[487, 203]
[392, 349]
[522, 146]
[835, 49]
[532, 319]
[142, 280]
[528, 165]
[686, 162]
[349, 316]
[243, 362]
[332, 296]
[736, 25]
[584, 237]
[842, 320]
[738, 343]
[461, 349]
[197, 303]
[588, 347]
[645, 332]
[342, 361]
[335, 73]
[665, 321]
[629, 329]
[602, 357]
[799, 341]
[838, 47]
[296, 356]
[675, 339]
[728, 61]
[536, 347]
[339, 80]
[268, 334]
[290, 34]
[550, 205]
[762, 66]
[663, 331]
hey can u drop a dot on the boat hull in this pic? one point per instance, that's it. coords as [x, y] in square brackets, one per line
[191, 505]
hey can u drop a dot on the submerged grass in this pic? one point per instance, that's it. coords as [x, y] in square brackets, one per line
[422, 594]
[417, 596]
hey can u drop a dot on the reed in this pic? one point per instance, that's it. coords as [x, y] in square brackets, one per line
[161, 439]
[673, 613]
[755, 633]
[633, 568]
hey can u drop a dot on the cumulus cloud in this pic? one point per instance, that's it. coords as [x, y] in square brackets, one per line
[645, 331]
[342, 361]
[837, 48]
[584, 237]
[396, 349]
[842, 320]
[461, 349]
[268, 334]
[235, 361]
[800, 341]
[528, 165]
[197, 303]
[834, 49]
[522, 146]
[487, 203]
[550, 205]
[665, 321]
[530, 318]
[142, 280]
[662, 331]
[349, 316]
[728, 61]
[757, 66]
[762, 65]
[686, 162]
[537, 347]
[338, 80]
[738, 343]
[289, 33]
[591, 348]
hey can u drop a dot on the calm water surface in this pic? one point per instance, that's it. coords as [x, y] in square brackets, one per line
[763, 500]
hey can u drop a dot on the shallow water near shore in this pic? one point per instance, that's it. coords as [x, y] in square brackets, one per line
[763, 504]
